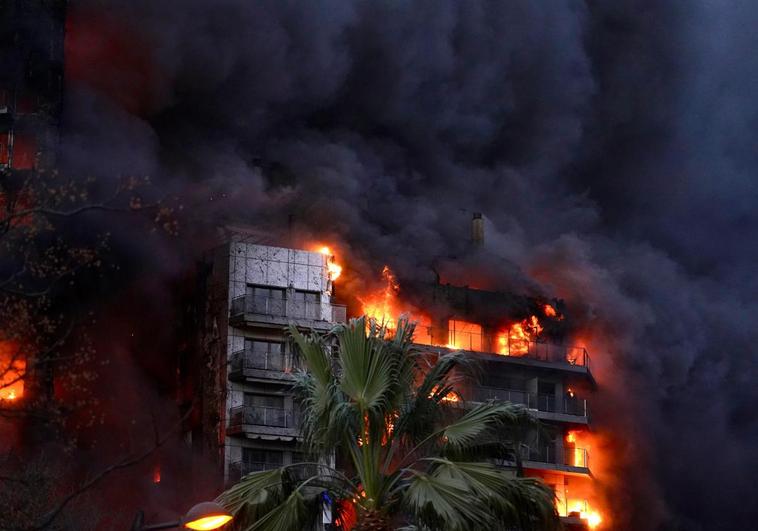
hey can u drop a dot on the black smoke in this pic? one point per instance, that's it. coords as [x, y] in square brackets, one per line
[610, 145]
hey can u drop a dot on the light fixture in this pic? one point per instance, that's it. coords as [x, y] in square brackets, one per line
[205, 516]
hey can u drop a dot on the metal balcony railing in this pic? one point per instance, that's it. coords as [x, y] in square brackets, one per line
[293, 309]
[262, 416]
[238, 469]
[262, 360]
[576, 457]
[505, 346]
[546, 403]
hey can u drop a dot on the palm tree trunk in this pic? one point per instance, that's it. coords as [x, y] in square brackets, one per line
[369, 520]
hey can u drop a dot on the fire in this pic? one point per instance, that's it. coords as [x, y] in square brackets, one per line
[383, 305]
[157, 474]
[332, 267]
[515, 341]
[593, 518]
[450, 397]
[12, 370]
[549, 311]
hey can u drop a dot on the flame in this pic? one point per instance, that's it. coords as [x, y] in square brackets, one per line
[549, 311]
[157, 474]
[383, 305]
[12, 370]
[450, 397]
[593, 518]
[570, 392]
[334, 270]
[515, 341]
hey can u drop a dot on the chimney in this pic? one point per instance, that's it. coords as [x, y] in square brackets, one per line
[477, 230]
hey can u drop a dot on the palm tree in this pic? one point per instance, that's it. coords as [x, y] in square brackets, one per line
[409, 453]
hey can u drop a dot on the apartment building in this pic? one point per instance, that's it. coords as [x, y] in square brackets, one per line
[250, 293]
[520, 343]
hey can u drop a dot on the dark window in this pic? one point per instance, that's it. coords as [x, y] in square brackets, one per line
[266, 410]
[256, 400]
[265, 355]
[266, 300]
[255, 459]
[308, 296]
[307, 304]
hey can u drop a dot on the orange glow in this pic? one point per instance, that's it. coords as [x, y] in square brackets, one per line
[515, 341]
[208, 522]
[463, 335]
[332, 267]
[12, 370]
[383, 305]
[450, 397]
[570, 392]
[550, 311]
[157, 474]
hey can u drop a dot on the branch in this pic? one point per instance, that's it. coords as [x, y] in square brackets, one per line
[123, 463]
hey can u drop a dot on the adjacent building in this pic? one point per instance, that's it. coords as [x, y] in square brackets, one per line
[249, 293]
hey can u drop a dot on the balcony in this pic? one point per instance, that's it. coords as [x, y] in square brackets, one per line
[574, 460]
[239, 469]
[559, 356]
[551, 407]
[282, 311]
[255, 364]
[256, 421]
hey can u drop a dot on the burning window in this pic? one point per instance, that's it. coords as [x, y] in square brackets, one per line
[12, 369]
[464, 335]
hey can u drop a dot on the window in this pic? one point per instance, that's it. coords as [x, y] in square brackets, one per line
[255, 460]
[307, 304]
[267, 300]
[464, 335]
[266, 410]
[265, 355]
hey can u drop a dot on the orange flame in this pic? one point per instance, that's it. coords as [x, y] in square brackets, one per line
[549, 311]
[332, 267]
[12, 370]
[515, 341]
[383, 305]
[157, 474]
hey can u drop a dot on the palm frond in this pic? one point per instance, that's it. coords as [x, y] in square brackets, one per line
[477, 422]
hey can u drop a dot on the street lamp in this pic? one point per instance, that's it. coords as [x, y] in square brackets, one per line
[204, 516]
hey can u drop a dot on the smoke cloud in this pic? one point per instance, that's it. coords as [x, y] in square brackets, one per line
[610, 146]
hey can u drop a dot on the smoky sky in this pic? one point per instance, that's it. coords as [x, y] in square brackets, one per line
[611, 147]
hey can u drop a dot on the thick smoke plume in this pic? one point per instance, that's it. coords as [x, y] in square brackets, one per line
[610, 146]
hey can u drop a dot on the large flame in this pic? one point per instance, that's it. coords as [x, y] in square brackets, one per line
[12, 369]
[382, 305]
[334, 269]
[515, 340]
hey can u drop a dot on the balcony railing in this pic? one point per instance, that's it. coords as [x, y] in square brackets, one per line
[546, 403]
[503, 345]
[238, 469]
[262, 416]
[574, 457]
[247, 359]
[289, 308]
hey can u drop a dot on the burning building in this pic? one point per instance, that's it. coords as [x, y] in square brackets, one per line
[242, 362]
[247, 419]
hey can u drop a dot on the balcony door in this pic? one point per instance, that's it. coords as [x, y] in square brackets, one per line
[255, 460]
[266, 410]
[265, 355]
[266, 300]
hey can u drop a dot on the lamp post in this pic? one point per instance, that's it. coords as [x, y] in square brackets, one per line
[204, 516]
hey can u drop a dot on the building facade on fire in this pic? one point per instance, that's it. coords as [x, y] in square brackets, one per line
[250, 292]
